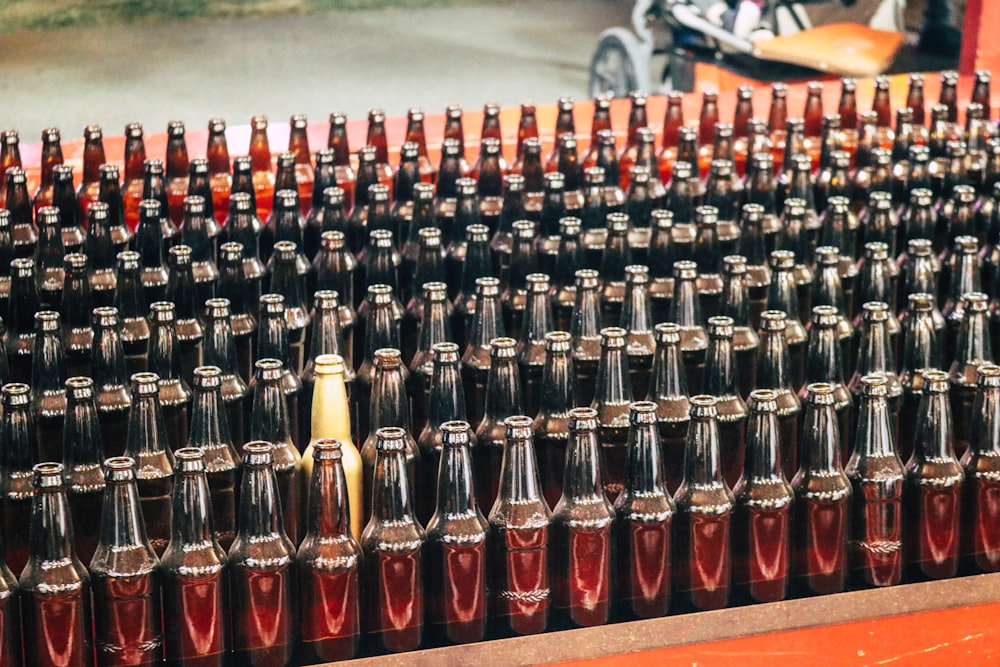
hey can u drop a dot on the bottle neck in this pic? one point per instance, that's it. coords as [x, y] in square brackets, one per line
[455, 493]
[209, 423]
[613, 385]
[259, 504]
[147, 431]
[447, 402]
[82, 443]
[51, 534]
[874, 436]
[487, 323]
[702, 460]
[503, 391]
[331, 416]
[391, 502]
[519, 482]
[763, 449]
[821, 447]
[823, 362]
[191, 522]
[933, 439]
[164, 353]
[720, 369]
[269, 417]
[389, 406]
[18, 435]
[582, 479]
[47, 365]
[328, 510]
[875, 355]
[986, 422]
[122, 526]
[643, 466]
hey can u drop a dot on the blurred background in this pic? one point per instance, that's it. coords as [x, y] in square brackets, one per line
[67, 63]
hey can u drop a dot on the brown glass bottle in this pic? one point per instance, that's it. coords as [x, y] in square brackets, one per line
[668, 391]
[381, 331]
[611, 400]
[244, 227]
[782, 296]
[435, 327]
[76, 310]
[328, 565]
[165, 362]
[477, 265]
[973, 349]
[876, 475]
[457, 546]
[64, 200]
[48, 257]
[824, 364]
[154, 188]
[93, 158]
[262, 567]
[581, 530]
[519, 532]
[269, 421]
[82, 455]
[644, 512]
[487, 324]
[51, 156]
[110, 380]
[147, 444]
[48, 400]
[273, 343]
[54, 587]
[932, 492]
[980, 462]
[24, 303]
[10, 617]
[637, 320]
[193, 573]
[125, 580]
[551, 425]
[338, 142]
[23, 229]
[177, 165]
[210, 434]
[702, 561]
[221, 350]
[764, 498]
[722, 382]
[135, 156]
[772, 374]
[393, 544]
[182, 292]
[197, 235]
[531, 347]
[130, 300]
[685, 311]
[585, 329]
[828, 290]
[736, 305]
[502, 399]
[19, 453]
[822, 498]
[149, 243]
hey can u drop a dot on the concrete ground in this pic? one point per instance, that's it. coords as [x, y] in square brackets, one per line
[196, 69]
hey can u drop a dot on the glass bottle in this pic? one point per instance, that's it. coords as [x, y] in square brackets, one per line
[93, 158]
[165, 362]
[154, 188]
[110, 380]
[764, 499]
[196, 235]
[193, 572]
[221, 351]
[661, 263]
[781, 296]
[519, 532]
[932, 487]
[503, 399]
[54, 587]
[147, 444]
[531, 347]
[685, 310]
[285, 282]
[637, 320]
[487, 324]
[82, 454]
[736, 305]
[981, 463]
[331, 419]
[325, 338]
[772, 374]
[272, 343]
[381, 331]
[435, 327]
[822, 497]
[236, 289]
[149, 243]
[668, 391]
[876, 475]
[181, 291]
[51, 156]
[390, 406]
[644, 511]
[615, 258]
[393, 544]
[210, 434]
[702, 561]
[130, 300]
[457, 545]
[244, 227]
[337, 141]
[262, 567]
[124, 577]
[260, 157]
[23, 229]
[828, 290]
[477, 265]
[269, 422]
[921, 351]
[48, 371]
[551, 425]
[973, 349]
[824, 364]
[585, 329]
[18, 453]
[722, 382]
[611, 400]
[48, 257]
[334, 268]
[64, 199]
[328, 564]
[581, 525]
[24, 303]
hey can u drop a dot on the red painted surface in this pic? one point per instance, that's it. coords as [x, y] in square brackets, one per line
[965, 636]
[978, 50]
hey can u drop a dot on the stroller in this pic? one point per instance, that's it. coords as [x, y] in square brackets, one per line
[759, 38]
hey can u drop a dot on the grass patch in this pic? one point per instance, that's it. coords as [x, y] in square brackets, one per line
[48, 14]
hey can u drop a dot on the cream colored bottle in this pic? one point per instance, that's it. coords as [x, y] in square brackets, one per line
[331, 419]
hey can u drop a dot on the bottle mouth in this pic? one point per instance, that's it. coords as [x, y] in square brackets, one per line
[329, 364]
[455, 433]
[48, 475]
[258, 453]
[189, 459]
[390, 439]
[327, 449]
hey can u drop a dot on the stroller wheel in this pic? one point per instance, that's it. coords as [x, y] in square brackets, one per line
[614, 65]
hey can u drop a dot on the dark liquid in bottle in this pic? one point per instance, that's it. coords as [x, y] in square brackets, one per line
[551, 453]
[395, 602]
[128, 629]
[731, 446]
[982, 524]
[222, 489]
[644, 568]
[934, 530]
[114, 428]
[16, 521]
[613, 445]
[176, 418]
[704, 565]
[262, 623]
[821, 528]
[878, 555]
[331, 627]
[85, 508]
[521, 580]
[582, 582]
[10, 630]
[761, 538]
[457, 600]
[195, 619]
[57, 628]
